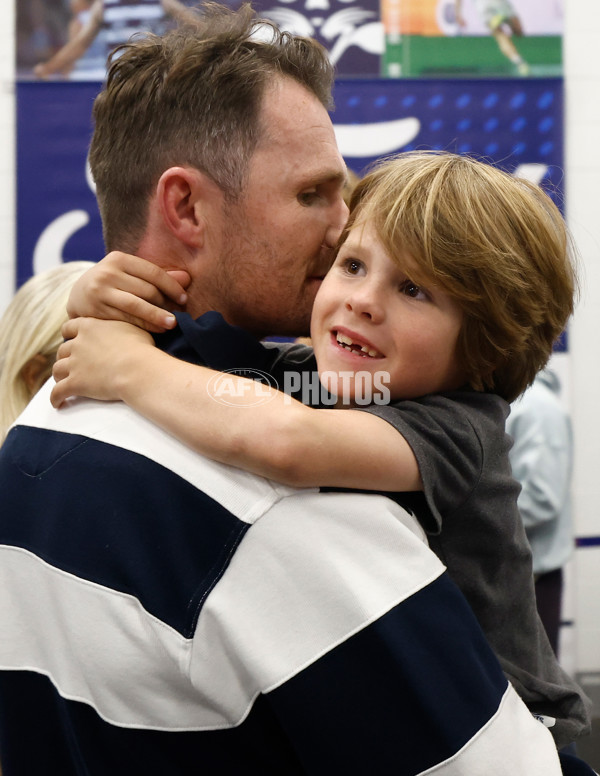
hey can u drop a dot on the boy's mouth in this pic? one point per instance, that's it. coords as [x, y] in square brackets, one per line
[355, 346]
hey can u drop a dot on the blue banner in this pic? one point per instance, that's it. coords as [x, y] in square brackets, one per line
[514, 124]
[57, 214]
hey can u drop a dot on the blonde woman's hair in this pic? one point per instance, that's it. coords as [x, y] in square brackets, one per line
[30, 326]
[495, 243]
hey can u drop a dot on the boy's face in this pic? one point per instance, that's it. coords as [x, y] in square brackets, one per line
[368, 302]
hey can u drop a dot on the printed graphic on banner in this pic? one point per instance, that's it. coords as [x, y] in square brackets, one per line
[71, 39]
[472, 37]
[350, 30]
[516, 124]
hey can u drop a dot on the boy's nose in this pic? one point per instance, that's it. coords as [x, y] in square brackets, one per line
[365, 304]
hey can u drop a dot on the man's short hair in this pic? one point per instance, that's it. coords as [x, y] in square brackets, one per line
[192, 98]
[496, 244]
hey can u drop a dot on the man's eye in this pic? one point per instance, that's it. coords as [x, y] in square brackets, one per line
[308, 197]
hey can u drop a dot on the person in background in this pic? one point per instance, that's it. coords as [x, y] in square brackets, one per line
[502, 20]
[100, 26]
[30, 336]
[542, 462]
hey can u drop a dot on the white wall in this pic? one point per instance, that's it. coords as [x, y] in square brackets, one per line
[582, 73]
[7, 163]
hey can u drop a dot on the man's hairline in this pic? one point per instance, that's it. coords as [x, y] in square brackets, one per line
[264, 137]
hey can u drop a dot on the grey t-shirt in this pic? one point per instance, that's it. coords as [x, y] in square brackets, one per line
[469, 509]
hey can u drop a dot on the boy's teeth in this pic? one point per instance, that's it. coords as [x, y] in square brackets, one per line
[347, 343]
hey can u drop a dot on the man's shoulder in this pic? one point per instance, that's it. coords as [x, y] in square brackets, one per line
[121, 429]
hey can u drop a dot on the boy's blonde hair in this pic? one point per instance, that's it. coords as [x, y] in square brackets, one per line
[30, 326]
[495, 243]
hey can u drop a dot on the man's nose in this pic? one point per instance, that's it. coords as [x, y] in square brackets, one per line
[339, 218]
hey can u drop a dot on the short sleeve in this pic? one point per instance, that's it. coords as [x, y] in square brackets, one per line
[447, 445]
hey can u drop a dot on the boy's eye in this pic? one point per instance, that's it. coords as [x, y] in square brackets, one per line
[413, 290]
[353, 266]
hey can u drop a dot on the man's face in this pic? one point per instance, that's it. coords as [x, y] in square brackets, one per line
[276, 241]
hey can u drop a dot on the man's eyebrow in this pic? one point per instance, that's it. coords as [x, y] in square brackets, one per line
[333, 176]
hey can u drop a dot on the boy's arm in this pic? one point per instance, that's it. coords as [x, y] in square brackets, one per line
[278, 438]
[127, 288]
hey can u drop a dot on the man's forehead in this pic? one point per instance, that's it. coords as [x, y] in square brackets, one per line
[289, 109]
[311, 158]
[297, 137]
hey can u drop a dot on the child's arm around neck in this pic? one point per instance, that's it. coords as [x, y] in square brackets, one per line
[281, 439]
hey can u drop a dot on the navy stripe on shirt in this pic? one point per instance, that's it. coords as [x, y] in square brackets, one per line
[116, 534]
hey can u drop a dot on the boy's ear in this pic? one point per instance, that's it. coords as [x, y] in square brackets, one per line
[185, 197]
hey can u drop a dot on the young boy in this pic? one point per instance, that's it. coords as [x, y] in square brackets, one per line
[452, 280]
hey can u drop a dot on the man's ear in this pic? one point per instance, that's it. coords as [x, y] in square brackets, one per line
[185, 197]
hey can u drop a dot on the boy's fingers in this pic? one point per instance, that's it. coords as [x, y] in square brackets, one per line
[70, 328]
[140, 313]
[156, 286]
[182, 277]
[60, 370]
[121, 292]
[59, 393]
[171, 283]
[64, 350]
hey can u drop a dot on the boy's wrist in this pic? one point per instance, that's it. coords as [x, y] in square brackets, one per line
[137, 370]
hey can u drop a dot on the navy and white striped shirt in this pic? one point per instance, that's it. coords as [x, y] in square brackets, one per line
[162, 613]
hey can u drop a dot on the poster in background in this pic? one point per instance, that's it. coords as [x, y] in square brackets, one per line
[458, 38]
[515, 124]
[350, 30]
[71, 39]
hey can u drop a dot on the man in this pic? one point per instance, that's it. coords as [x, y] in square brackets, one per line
[165, 614]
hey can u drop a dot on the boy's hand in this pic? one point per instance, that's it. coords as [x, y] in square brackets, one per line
[98, 359]
[122, 287]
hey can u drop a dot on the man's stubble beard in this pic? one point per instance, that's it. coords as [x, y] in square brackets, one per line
[247, 286]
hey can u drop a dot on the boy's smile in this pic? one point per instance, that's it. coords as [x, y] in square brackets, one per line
[354, 344]
[370, 316]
